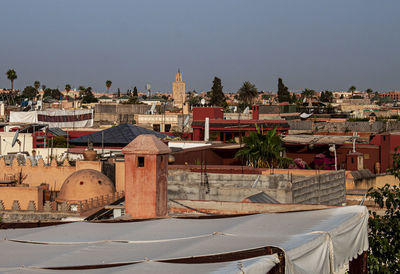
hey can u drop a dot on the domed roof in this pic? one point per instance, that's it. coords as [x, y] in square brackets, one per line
[85, 184]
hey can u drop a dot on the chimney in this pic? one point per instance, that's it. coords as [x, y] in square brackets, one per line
[146, 177]
[256, 112]
[207, 129]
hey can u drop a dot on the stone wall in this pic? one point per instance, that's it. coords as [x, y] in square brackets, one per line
[186, 185]
[327, 189]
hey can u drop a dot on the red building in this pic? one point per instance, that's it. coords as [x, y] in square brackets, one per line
[225, 130]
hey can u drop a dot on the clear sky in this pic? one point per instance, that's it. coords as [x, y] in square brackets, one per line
[317, 44]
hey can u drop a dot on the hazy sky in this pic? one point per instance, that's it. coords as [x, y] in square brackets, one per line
[317, 44]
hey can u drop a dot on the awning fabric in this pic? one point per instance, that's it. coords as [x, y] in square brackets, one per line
[319, 241]
[54, 118]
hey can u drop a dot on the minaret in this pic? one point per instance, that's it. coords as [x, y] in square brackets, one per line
[178, 90]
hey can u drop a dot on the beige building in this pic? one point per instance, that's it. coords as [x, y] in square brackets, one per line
[165, 122]
[178, 91]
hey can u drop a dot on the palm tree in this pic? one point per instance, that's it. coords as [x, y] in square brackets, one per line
[352, 89]
[369, 92]
[263, 150]
[67, 88]
[108, 85]
[36, 84]
[82, 90]
[247, 93]
[308, 94]
[11, 75]
[43, 87]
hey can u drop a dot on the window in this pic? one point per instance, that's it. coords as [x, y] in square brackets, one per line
[156, 127]
[140, 161]
[167, 127]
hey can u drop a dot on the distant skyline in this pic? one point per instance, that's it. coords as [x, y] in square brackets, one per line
[315, 44]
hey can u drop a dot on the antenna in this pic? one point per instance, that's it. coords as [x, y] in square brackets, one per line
[15, 139]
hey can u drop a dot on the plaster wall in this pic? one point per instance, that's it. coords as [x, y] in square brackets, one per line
[52, 175]
[6, 139]
[23, 195]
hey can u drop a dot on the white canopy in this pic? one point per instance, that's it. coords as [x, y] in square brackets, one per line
[319, 241]
[54, 117]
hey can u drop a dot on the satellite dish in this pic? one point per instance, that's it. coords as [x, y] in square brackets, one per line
[15, 138]
[203, 102]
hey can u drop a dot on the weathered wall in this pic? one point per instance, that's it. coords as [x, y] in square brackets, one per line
[226, 187]
[324, 188]
[23, 195]
[328, 189]
[121, 113]
[349, 127]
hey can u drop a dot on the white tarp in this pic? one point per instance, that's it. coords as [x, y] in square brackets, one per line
[54, 118]
[319, 241]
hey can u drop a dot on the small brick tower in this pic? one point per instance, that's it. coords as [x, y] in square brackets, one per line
[146, 177]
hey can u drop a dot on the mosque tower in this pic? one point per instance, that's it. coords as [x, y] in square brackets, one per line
[178, 90]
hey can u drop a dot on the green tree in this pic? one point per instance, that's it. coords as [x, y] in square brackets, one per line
[88, 96]
[29, 92]
[262, 151]
[193, 98]
[326, 96]
[11, 75]
[52, 93]
[308, 94]
[118, 93]
[43, 87]
[108, 85]
[293, 100]
[352, 89]
[369, 92]
[36, 84]
[283, 92]
[135, 92]
[216, 96]
[384, 229]
[67, 88]
[247, 93]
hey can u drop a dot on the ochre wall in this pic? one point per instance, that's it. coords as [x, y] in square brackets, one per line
[23, 195]
[52, 175]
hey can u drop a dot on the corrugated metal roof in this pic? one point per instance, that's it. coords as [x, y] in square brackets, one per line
[56, 131]
[262, 197]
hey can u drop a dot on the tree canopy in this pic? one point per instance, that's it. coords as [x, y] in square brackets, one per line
[67, 88]
[326, 96]
[247, 93]
[283, 92]
[262, 151]
[11, 75]
[108, 84]
[216, 96]
[88, 96]
[29, 92]
[384, 229]
[52, 93]
[36, 84]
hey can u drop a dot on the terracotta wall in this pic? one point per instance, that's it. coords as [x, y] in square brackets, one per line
[23, 195]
